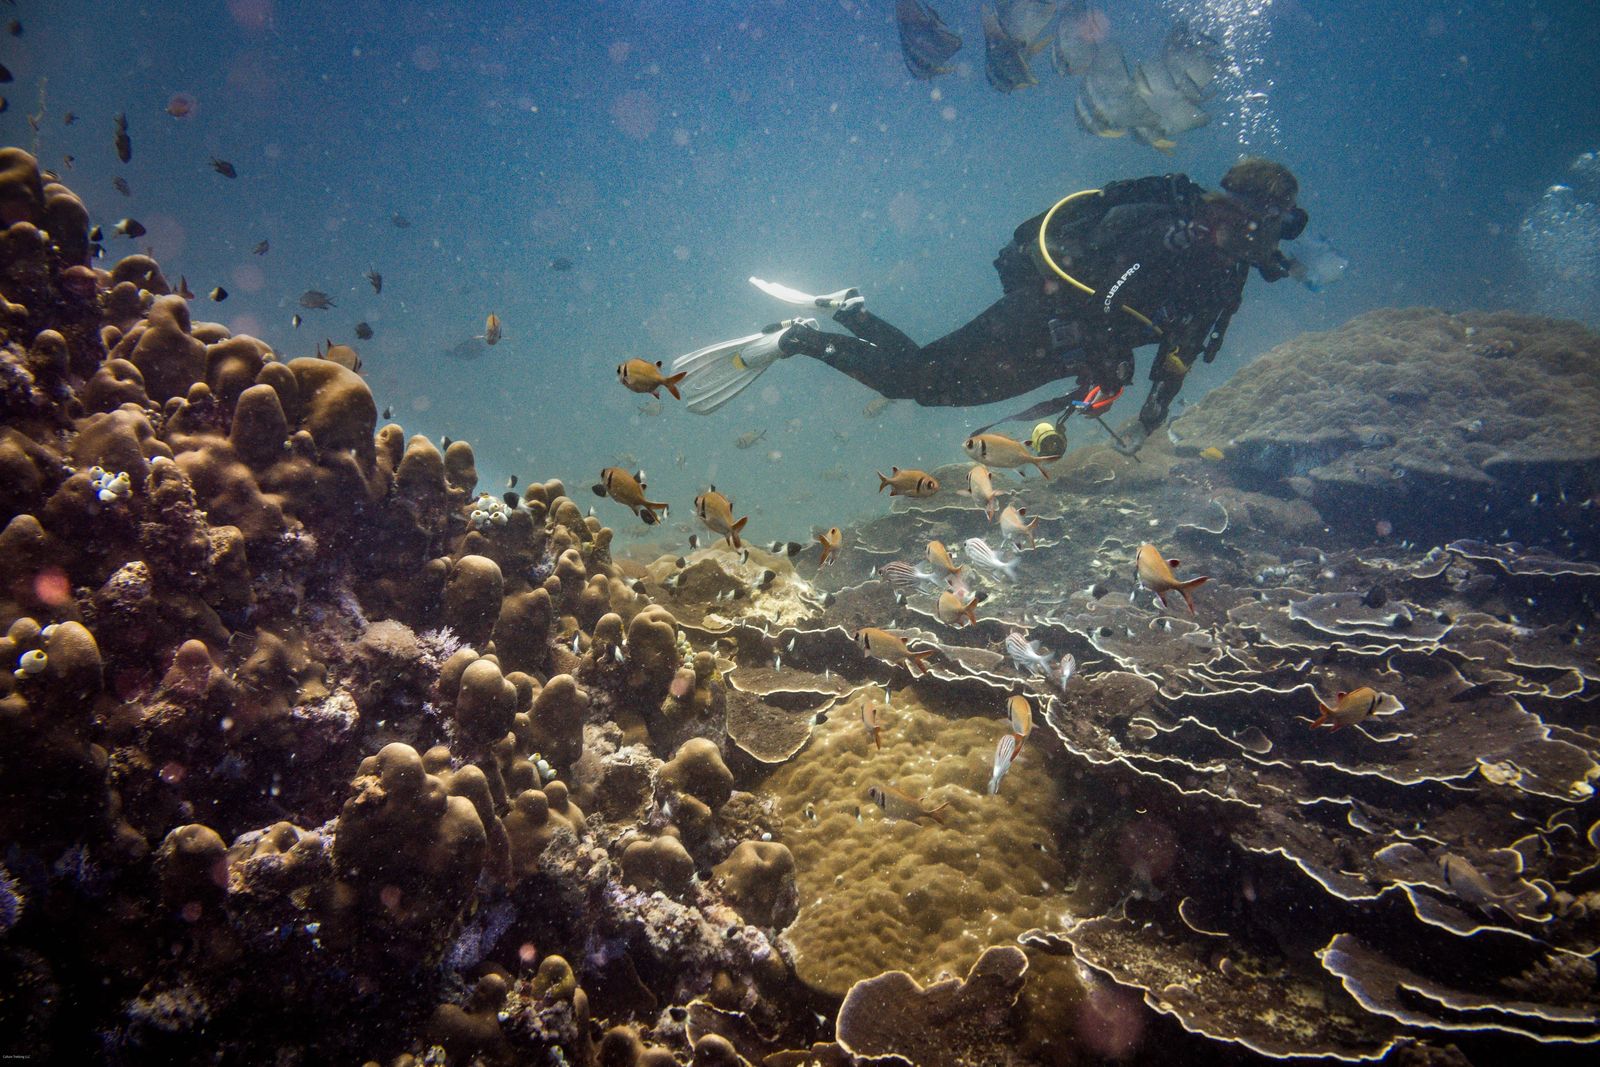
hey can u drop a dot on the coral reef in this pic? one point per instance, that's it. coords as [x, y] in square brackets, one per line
[310, 751]
[1445, 424]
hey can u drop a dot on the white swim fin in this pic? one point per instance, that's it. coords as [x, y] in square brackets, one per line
[844, 298]
[717, 373]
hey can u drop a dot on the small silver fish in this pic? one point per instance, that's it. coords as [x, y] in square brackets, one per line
[1064, 671]
[1027, 655]
[1005, 753]
[910, 578]
[982, 556]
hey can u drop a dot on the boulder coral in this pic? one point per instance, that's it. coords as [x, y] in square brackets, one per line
[760, 882]
[1446, 412]
[406, 856]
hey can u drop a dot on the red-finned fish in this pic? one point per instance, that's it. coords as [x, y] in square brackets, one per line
[830, 543]
[1155, 574]
[939, 556]
[951, 610]
[998, 450]
[980, 486]
[1013, 529]
[912, 483]
[1020, 712]
[644, 377]
[716, 512]
[891, 649]
[1005, 753]
[898, 805]
[1348, 708]
[872, 719]
[628, 490]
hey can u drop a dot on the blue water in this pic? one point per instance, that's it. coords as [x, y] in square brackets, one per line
[672, 149]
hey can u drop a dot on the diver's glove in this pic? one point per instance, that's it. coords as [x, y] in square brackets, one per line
[1130, 438]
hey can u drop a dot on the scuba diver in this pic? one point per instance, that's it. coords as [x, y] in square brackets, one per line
[1157, 260]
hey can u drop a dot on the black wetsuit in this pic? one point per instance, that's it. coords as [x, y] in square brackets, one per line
[1145, 248]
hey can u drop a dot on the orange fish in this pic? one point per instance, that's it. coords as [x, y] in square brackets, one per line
[830, 542]
[1013, 528]
[1348, 708]
[939, 556]
[898, 805]
[1020, 712]
[717, 513]
[998, 450]
[891, 649]
[645, 377]
[912, 483]
[628, 490]
[873, 721]
[952, 609]
[1155, 574]
[980, 486]
[491, 329]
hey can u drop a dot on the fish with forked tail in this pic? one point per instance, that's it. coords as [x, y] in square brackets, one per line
[939, 556]
[1028, 656]
[830, 542]
[628, 490]
[904, 806]
[1155, 574]
[1348, 708]
[1014, 529]
[1005, 753]
[909, 578]
[881, 644]
[643, 376]
[980, 486]
[998, 450]
[912, 483]
[1020, 712]
[951, 609]
[872, 719]
[716, 511]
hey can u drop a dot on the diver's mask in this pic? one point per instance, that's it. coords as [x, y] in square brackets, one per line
[1251, 228]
